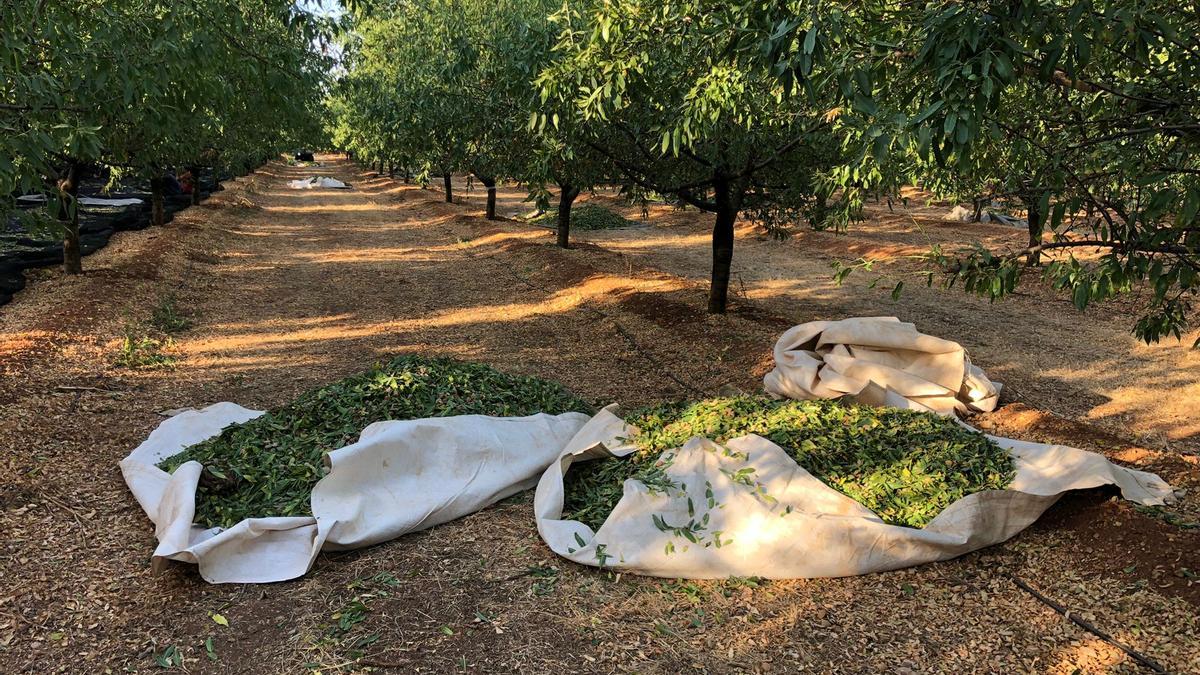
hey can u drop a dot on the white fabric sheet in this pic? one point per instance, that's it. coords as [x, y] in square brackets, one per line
[85, 201]
[317, 182]
[782, 522]
[401, 476]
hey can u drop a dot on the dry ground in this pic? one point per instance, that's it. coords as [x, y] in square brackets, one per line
[288, 290]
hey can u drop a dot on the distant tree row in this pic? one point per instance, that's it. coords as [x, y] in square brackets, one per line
[137, 86]
[1082, 114]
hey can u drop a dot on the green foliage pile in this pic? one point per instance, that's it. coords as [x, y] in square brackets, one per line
[269, 465]
[167, 317]
[905, 466]
[139, 351]
[586, 217]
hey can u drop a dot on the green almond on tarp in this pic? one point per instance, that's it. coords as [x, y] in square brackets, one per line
[269, 465]
[905, 466]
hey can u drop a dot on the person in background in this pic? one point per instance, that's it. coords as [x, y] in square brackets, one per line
[171, 186]
[187, 182]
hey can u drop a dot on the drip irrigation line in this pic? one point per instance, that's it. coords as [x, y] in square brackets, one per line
[1141, 658]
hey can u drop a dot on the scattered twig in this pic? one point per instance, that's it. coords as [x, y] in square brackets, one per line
[67, 387]
[376, 663]
[1089, 627]
[79, 533]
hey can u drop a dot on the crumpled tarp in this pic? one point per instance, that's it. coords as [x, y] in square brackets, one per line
[745, 508]
[400, 477]
[878, 361]
[86, 201]
[317, 182]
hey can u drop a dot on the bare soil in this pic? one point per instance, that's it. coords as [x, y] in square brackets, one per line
[292, 289]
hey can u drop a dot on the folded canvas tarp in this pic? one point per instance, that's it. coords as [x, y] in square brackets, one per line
[878, 361]
[85, 201]
[317, 182]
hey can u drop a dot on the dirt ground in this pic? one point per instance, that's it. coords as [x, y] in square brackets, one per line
[287, 290]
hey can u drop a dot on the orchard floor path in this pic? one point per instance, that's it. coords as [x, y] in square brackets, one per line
[287, 290]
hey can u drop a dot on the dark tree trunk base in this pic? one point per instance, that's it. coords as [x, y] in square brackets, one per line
[448, 187]
[566, 198]
[490, 184]
[722, 243]
[158, 215]
[1034, 216]
[68, 187]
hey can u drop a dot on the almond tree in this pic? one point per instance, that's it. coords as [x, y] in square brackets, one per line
[1085, 110]
[675, 103]
[137, 86]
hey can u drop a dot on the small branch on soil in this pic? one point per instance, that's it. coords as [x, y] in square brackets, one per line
[1089, 627]
[64, 387]
[512, 577]
[376, 663]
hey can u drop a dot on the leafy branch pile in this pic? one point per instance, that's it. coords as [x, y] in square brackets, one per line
[269, 465]
[905, 466]
[586, 217]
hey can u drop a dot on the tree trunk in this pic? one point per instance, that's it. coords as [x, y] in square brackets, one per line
[68, 189]
[1034, 217]
[391, 169]
[820, 210]
[158, 215]
[978, 210]
[448, 186]
[566, 197]
[195, 171]
[490, 184]
[722, 245]
[407, 175]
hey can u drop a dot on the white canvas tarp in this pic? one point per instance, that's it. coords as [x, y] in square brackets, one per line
[746, 508]
[401, 476]
[317, 182]
[86, 201]
[878, 361]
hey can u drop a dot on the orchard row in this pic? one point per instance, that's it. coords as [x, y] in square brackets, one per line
[1080, 115]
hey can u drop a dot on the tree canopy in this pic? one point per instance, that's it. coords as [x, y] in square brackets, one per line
[1079, 115]
[137, 86]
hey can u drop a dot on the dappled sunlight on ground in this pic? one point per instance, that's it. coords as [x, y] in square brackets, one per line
[322, 208]
[286, 338]
[1092, 654]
